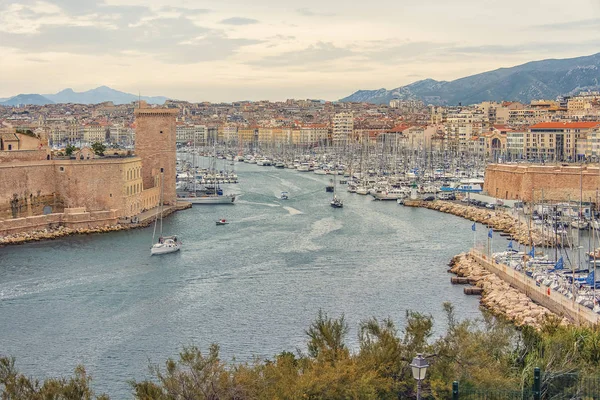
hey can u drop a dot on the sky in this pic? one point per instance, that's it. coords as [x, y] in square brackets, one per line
[229, 50]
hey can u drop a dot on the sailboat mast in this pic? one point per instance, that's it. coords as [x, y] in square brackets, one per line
[162, 203]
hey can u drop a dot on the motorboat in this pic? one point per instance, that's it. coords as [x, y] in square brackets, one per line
[336, 203]
[392, 194]
[362, 190]
[222, 222]
[210, 199]
[304, 167]
[284, 196]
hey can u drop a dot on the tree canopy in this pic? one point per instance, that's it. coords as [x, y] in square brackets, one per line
[487, 354]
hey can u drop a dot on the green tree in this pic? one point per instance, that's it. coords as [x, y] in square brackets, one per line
[15, 385]
[69, 150]
[98, 148]
[326, 337]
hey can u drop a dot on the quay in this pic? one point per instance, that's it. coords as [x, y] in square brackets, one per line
[516, 296]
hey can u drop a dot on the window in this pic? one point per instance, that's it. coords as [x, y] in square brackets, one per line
[61, 169]
[10, 146]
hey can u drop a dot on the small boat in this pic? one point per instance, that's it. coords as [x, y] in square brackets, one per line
[330, 188]
[284, 196]
[222, 222]
[336, 203]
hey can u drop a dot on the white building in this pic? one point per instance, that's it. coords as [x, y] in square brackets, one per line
[343, 127]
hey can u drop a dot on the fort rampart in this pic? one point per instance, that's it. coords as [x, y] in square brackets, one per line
[554, 182]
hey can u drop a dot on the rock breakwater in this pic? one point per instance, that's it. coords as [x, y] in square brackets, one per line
[498, 296]
[62, 231]
[497, 220]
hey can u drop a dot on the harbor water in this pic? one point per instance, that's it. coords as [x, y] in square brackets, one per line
[252, 286]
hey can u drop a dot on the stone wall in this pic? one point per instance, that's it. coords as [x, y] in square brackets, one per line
[531, 182]
[552, 300]
[22, 156]
[25, 179]
[96, 185]
[74, 220]
[155, 143]
[34, 204]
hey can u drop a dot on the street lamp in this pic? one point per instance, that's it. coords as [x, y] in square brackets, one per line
[419, 368]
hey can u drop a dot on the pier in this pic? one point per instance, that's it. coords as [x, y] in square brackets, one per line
[515, 295]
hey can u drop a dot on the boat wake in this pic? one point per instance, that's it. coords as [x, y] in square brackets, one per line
[313, 239]
[256, 203]
[293, 211]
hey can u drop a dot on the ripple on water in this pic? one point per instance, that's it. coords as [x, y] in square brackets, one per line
[252, 286]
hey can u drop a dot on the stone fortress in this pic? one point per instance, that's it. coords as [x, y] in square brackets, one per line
[549, 182]
[41, 191]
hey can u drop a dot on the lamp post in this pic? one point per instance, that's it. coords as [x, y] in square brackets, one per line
[419, 368]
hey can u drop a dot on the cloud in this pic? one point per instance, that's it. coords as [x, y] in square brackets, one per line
[239, 21]
[386, 51]
[36, 60]
[186, 11]
[165, 33]
[306, 12]
[528, 47]
[583, 24]
[321, 52]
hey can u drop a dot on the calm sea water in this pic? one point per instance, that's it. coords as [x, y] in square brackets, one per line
[252, 286]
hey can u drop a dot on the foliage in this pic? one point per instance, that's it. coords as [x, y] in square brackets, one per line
[70, 149]
[487, 354]
[27, 132]
[14, 385]
[98, 148]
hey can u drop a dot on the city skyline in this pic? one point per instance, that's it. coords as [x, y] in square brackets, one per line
[209, 51]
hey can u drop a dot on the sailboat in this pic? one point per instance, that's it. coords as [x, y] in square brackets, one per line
[335, 202]
[165, 244]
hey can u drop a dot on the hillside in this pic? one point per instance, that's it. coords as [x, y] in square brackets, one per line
[545, 79]
[20, 99]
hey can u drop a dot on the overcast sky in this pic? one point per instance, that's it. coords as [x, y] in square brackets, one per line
[227, 50]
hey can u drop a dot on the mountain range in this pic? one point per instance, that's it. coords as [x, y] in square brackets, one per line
[93, 96]
[544, 79]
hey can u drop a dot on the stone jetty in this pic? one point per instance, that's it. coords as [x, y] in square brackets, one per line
[62, 231]
[498, 296]
[498, 220]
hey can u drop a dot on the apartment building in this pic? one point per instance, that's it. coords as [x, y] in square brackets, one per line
[96, 132]
[515, 144]
[342, 127]
[560, 141]
[187, 133]
[314, 134]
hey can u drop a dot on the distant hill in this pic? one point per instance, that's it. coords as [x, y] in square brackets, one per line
[100, 95]
[34, 99]
[93, 96]
[545, 79]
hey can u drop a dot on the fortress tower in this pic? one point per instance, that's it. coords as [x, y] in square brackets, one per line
[155, 145]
